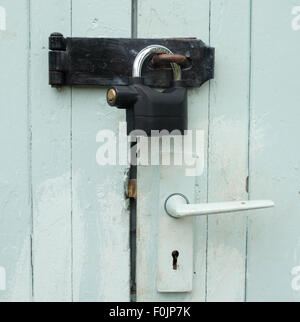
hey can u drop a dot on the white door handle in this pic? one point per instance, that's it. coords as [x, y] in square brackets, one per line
[176, 227]
[178, 206]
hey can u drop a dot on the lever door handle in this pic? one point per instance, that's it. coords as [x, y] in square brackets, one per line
[178, 206]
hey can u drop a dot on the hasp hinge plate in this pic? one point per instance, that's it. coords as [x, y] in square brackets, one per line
[108, 61]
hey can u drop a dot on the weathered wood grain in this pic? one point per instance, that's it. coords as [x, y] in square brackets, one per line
[50, 113]
[101, 269]
[273, 243]
[15, 208]
[171, 18]
[228, 148]
[64, 221]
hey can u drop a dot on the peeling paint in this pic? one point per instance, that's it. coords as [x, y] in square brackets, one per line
[232, 263]
[2, 279]
[52, 239]
[2, 19]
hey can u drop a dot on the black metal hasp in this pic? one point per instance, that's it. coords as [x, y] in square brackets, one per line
[108, 61]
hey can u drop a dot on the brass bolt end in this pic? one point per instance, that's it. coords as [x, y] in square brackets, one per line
[111, 96]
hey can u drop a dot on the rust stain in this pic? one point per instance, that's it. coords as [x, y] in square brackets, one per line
[132, 187]
[9, 34]
[161, 59]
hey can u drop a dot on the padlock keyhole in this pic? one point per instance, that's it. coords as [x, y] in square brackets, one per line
[175, 255]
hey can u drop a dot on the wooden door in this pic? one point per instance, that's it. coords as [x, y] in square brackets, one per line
[250, 117]
[65, 221]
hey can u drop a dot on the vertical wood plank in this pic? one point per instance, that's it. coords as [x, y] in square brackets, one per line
[228, 148]
[273, 244]
[51, 159]
[171, 18]
[100, 214]
[15, 215]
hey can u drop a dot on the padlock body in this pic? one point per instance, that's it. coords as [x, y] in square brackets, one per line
[158, 111]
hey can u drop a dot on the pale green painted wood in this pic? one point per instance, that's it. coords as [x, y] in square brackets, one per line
[79, 216]
[228, 148]
[15, 217]
[228, 163]
[273, 243]
[171, 18]
[50, 112]
[101, 267]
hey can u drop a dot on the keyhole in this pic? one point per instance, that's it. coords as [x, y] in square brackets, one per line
[175, 255]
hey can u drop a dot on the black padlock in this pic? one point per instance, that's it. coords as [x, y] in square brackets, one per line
[148, 109]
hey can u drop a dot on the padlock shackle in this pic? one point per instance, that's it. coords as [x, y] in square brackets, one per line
[145, 53]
